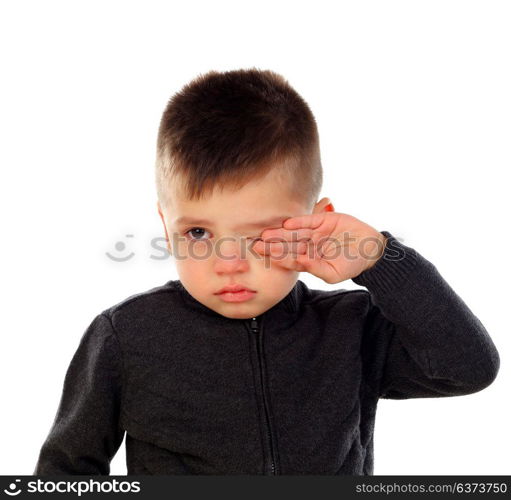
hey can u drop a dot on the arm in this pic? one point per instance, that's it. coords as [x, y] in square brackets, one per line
[85, 433]
[420, 339]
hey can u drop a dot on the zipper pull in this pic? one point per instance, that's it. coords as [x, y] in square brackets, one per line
[254, 325]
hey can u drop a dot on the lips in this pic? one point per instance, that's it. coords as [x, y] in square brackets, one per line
[233, 289]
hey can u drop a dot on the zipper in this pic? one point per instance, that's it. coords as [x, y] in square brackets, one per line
[256, 329]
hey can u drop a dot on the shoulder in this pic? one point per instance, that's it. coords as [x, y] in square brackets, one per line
[340, 298]
[150, 303]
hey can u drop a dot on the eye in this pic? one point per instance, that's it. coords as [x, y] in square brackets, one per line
[196, 231]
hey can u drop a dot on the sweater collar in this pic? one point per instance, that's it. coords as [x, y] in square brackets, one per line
[284, 312]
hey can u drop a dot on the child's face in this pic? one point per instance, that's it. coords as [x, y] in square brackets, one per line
[212, 250]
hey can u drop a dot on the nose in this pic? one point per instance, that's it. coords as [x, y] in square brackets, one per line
[229, 257]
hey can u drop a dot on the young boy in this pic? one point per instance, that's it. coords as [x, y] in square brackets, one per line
[238, 367]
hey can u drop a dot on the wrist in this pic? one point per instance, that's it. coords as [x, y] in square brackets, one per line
[380, 250]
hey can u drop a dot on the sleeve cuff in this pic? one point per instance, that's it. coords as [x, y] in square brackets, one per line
[391, 269]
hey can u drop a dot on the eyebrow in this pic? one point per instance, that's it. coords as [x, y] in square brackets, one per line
[252, 225]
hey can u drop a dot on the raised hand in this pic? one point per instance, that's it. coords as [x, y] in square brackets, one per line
[330, 245]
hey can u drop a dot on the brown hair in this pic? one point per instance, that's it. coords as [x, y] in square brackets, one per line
[227, 128]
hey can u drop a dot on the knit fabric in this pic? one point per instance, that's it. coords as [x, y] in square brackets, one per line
[294, 391]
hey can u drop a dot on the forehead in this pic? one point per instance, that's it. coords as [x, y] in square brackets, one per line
[264, 202]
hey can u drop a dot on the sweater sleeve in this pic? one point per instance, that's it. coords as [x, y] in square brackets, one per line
[85, 434]
[420, 338]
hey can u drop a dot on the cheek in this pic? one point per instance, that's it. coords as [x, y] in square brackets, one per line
[193, 250]
[192, 270]
[277, 279]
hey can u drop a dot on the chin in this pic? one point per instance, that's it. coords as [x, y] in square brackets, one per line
[239, 314]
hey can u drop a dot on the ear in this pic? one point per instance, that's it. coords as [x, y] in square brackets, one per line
[158, 207]
[323, 205]
[160, 211]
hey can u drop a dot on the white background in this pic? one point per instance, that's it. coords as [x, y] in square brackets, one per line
[413, 105]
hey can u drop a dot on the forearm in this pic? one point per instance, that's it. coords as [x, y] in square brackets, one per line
[435, 324]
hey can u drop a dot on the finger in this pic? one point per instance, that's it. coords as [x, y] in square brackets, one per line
[310, 221]
[322, 224]
[331, 248]
[303, 262]
[279, 248]
[280, 234]
[316, 238]
[288, 261]
[318, 267]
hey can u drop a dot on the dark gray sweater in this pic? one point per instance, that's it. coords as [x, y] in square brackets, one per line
[293, 391]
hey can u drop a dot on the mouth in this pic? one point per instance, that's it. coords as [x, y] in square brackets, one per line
[235, 293]
[234, 289]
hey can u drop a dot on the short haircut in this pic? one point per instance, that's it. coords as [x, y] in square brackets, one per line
[227, 128]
